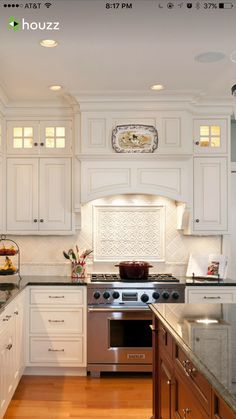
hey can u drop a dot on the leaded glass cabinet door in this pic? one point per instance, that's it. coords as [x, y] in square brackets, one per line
[55, 137]
[210, 136]
[23, 137]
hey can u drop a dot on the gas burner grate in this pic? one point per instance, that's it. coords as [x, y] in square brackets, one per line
[164, 277]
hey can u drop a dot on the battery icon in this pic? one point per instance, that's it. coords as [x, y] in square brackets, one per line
[225, 5]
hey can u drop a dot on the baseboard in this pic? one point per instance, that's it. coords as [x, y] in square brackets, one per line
[63, 371]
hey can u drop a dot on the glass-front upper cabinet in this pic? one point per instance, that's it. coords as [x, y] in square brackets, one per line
[210, 136]
[38, 137]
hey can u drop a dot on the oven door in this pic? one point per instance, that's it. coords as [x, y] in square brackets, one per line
[119, 336]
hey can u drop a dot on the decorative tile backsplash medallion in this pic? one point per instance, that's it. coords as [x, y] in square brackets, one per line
[129, 232]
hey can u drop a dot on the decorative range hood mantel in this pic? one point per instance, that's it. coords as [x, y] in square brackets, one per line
[171, 178]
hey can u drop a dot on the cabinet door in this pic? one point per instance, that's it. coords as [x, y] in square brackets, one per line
[6, 367]
[210, 194]
[22, 137]
[210, 136]
[22, 195]
[55, 194]
[55, 137]
[164, 390]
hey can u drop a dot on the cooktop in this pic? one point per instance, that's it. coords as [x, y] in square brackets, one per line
[116, 278]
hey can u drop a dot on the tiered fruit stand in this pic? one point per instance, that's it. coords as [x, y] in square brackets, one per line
[8, 249]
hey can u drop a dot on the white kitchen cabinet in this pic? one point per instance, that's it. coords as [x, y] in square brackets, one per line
[210, 195]
[173, 127]
[211, 294]
[39, 195]
[56, 335]
[11, 350]
[39, 137]
[210, 136]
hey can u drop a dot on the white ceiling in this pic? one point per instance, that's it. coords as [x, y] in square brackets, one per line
[117, 51]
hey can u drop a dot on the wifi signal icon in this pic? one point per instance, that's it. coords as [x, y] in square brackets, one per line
[47, 5]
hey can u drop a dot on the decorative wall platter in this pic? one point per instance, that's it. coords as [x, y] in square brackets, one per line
[134, 139]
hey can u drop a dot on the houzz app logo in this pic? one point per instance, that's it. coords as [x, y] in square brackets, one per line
[13, 24]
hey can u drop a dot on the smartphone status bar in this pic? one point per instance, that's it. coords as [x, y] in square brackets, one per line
[196, 5]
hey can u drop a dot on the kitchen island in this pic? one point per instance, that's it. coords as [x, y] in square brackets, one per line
[194, 361]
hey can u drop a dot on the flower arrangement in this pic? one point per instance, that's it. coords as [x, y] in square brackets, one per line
[78, 261]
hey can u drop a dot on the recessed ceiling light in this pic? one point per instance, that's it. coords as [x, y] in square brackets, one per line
[209, 57]
[55, 87]
[157, 87]
[48, 43]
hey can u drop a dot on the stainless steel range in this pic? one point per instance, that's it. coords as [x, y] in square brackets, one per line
[119, 333]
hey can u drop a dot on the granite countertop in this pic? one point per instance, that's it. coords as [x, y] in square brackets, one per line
[10, 286]
[211, 347]
[208, 282]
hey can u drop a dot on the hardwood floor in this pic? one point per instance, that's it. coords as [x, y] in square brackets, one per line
[108, 397]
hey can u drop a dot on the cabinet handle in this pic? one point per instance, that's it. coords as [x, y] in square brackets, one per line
[185, 363]
[55, 350]
[41, 220]
[42, 144]
[35, 144]
[56, 296]
[211, 298]
[197, 220]
[9, 346]
[192, 371]
[186, 412]
[56, 321]
[16, 312]
[197, 142]
[35, 220]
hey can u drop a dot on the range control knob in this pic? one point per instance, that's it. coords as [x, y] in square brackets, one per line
[144, 298]
[96, 295]
[175, 295]
[165, 295]
[106, 295]
[115, 295]
[156, 295]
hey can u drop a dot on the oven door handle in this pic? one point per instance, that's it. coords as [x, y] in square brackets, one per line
[117, 309]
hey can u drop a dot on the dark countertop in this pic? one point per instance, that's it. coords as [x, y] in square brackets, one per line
[208, 282]
[212, 348]
[10, 286]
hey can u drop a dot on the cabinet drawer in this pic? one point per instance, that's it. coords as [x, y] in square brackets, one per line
[54, 296]
[210, 297]
[165, 340]
[193, 377]
[56, 350]
[56, 321]
[185, 404]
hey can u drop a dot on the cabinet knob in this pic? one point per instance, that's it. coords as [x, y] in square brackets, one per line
[42, 144]
[41, 220]
[9, 346]
[16, 313]
[168, 382]
[197, 220]
[197, 142]
[35, 144]
[35, 220]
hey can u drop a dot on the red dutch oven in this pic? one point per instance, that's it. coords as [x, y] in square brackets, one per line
[134, 270]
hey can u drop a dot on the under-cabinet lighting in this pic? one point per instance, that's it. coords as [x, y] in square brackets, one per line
[207, 321]
[48, 43]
